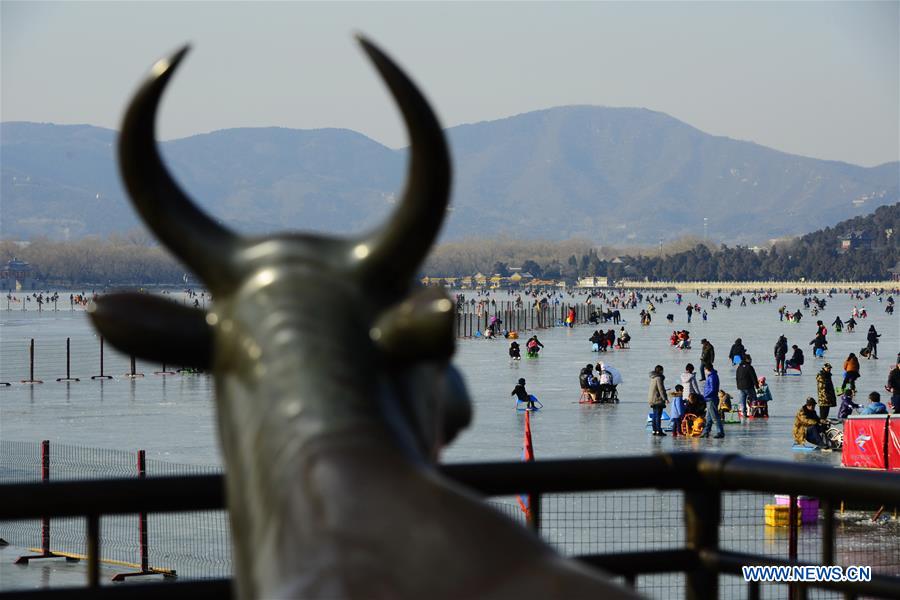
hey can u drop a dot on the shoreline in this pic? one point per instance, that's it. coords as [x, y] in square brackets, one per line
[779, 286]
[885, 286]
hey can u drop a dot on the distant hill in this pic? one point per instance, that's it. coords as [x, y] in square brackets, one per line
[611, 175]
[817, 256]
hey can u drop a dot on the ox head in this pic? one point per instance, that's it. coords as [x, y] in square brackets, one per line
[322, 332]
[333, 388]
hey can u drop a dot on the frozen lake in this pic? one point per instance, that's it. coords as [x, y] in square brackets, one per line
[171, 417]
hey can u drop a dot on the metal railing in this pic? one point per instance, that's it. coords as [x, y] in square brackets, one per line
[702, 477]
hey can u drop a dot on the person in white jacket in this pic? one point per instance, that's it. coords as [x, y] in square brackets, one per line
[689, 381]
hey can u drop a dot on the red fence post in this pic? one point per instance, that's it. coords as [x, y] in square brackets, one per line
[45, 521]
[143, 536]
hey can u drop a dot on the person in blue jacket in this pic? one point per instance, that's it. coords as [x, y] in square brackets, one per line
[875, 406]
[711, 396]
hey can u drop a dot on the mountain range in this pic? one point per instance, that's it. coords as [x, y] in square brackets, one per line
[609, 175]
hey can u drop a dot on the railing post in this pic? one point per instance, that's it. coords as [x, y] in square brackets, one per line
[164, 371]
[793, 588]
[68, 376]
[45, 476]
[753, 590]
[142, 525]
[828, 533]
[702, 513]
[45, 520]
[93, 550]
[133, 374]
[31, 378]
[534, 504]
[101, 375]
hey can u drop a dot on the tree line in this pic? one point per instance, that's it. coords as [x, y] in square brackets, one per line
[814, 256]
[131, 259]
[135, 259]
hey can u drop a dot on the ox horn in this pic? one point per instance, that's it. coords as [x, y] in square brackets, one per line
[195, 238]
[390, 256]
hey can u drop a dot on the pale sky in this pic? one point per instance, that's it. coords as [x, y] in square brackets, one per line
[809, 78]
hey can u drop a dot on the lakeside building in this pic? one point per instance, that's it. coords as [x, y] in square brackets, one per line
[16, 275]
[592, 282]
[495, 282]
[895, 272]
[856, 240]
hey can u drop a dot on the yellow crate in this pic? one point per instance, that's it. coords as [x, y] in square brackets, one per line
[778, 515]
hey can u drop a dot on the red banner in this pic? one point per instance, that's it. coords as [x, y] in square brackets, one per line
[864, 442]
[893, 457]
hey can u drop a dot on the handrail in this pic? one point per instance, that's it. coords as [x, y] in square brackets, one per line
[758, 475]
[702, 476]
[111, 496]
[684, 470]
[188, 590]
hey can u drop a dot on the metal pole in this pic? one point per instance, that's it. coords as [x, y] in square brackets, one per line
[828, 533]
[702, 514]
[534, 501]
[133, 374]
[45, 476]
[31, 378]
[93, 549]
[164, 371]
[101, 375]
[753, 590]
[793, 589]
[142, 526]
[68, 376]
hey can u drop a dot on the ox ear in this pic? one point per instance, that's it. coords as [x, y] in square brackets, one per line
[154, 329]
[418, 329]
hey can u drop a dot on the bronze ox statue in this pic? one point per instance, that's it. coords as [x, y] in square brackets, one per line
[334, 391]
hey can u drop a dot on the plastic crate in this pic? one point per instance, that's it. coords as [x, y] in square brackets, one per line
[777, 515]
[809, 507]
